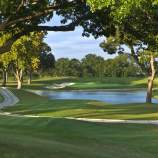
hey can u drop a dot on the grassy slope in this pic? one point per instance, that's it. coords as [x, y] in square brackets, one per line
[34, 104]
[60, 138]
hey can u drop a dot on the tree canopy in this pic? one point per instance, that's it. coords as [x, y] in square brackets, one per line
[135, 24]
[20, 17]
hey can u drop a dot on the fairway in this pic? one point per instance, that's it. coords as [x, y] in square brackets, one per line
[61, 138]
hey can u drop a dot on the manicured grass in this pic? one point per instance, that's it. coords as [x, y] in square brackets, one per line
[87, 83]
[109, 83]
[33, 104]
[40, 83]
[61, 138]
[58, 137]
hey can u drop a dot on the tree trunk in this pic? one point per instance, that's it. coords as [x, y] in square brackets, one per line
[151, 80]
[29, 77]
[19, 84]
[19, 76]
[5, 77]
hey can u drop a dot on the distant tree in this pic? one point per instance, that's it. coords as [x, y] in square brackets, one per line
[75, 68]
[62, 67]
[47, 59]
[121, 66]
[68, 67]
[95, 66]
[92, 65]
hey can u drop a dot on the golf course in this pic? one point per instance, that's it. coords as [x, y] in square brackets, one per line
[39, 126]
[78, 78]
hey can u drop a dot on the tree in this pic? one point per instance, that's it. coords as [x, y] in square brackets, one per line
[20, 17]
[139, 52]
[75, 68]
[33, 45]
[121, 66]
[25, 56]
[47, 59]
[135, 23]
[68, 67]
[92, 65]
[5, 63]
[62, 67]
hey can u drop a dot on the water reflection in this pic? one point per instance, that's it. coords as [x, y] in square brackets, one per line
[114, 97]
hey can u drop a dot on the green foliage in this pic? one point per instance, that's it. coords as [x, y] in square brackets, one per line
[24, 55]
[110, 45]
[121, 9]
[122, 66]
[133, 19]
[47, 59]
[26, 51]
[66, 67]
[95, 66]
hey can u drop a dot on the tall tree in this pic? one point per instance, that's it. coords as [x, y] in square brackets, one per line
[135, 22]
[5, 63]
[25, 55]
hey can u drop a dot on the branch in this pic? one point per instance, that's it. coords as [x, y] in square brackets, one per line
[136, 58]
[8, 44]
[20, 6]
[23, 19]
[64, 28]
[30, 17]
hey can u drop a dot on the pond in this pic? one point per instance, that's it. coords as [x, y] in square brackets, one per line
[113, 97]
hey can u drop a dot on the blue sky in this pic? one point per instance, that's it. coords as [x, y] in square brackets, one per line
[72, 44]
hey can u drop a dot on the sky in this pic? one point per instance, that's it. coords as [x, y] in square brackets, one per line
[72, 44]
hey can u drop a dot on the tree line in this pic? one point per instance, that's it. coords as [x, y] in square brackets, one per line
[96, 66]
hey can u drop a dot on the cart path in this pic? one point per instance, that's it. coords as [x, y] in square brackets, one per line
[9, 99]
